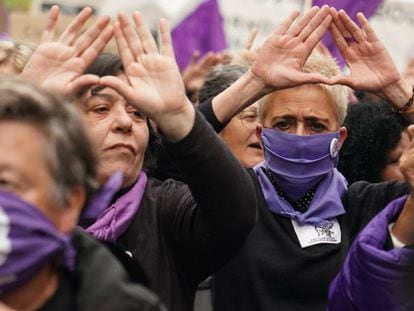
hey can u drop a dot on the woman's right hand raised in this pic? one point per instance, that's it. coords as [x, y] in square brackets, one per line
[59, 65]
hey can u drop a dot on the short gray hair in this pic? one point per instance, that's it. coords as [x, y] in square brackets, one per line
[70, 158]
[220, 78]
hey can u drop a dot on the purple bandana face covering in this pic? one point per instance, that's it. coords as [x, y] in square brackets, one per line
[298, 163]
[28, 241]
[300, 159]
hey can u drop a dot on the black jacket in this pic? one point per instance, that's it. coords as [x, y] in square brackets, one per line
[272, 271]
[181, 234]
[99, 282]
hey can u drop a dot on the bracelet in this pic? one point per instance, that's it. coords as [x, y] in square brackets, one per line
[406, 105]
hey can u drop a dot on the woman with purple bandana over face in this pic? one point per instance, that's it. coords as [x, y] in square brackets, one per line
[47, 171]
[179, 234]
[307, 216]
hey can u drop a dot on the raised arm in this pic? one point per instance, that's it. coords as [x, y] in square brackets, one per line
[197, 70]
[221, 190]
[59, 65]
[278, 64]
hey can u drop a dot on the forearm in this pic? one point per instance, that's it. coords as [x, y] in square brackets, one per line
[206, 109]
[403, 229]
[176, 125]
[244, 92]
[398, 94]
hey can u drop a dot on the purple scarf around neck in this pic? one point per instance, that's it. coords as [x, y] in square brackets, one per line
[326, 202]
[114, 220]
[299, 162]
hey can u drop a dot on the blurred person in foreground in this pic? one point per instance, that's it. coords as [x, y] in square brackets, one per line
[47, 172]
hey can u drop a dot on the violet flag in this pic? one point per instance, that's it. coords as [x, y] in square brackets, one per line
[201, 30]
[351, 7]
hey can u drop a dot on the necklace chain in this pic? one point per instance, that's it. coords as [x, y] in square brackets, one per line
[300, 205]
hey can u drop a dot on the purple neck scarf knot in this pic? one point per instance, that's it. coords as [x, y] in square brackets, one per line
[112, 222]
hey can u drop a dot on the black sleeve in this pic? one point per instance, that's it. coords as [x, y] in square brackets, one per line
[211, 223]
[166, 167]
[206, 108]
[364, 200]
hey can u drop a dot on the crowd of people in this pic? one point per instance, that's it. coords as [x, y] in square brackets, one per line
[125, 183]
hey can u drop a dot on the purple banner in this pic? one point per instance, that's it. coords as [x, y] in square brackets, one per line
[202, 30]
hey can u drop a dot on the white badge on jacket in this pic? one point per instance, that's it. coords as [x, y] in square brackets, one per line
[308, 235]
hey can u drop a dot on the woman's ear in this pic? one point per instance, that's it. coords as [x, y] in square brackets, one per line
[343, 133]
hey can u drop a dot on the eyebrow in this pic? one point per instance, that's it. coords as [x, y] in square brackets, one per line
[313, 118]
[308, 118]
[96, 92]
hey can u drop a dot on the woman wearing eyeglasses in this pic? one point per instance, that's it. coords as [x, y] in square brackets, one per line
[239, 134]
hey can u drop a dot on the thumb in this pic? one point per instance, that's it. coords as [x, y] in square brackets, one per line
[305, 78]
[410, 132]
[81, 82]
[341, 79]
[118, 85]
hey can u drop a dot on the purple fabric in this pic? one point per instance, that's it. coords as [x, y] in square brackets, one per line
[351, 7]
[114, 220]
[326, 203]
[202, 30]
[4, 36]
[300, 162]
[28, 241]
[102, 200]
[371, 275]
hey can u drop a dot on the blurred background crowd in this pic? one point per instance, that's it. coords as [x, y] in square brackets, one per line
[229, 21]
